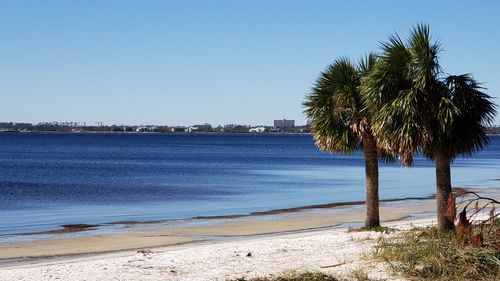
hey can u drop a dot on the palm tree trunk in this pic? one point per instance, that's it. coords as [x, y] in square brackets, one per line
[371, 181]
[443, 190]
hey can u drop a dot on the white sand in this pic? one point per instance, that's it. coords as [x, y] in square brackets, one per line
[331, 251]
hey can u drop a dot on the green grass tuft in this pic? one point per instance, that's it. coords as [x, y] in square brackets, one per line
[381, 229]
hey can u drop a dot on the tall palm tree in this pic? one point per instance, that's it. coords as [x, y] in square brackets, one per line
[339, 125]
[416, 108]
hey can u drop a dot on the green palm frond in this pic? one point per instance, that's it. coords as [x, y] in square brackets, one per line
[334, 107]
[388, 76]
[424, 57]
[477, 111]
[447, 111]
[367, 63]
[397, 125]
[414, 108]
[388, 94]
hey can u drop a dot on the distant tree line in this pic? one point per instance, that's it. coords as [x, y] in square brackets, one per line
[229, 128]
[493, 130]
[204, 128]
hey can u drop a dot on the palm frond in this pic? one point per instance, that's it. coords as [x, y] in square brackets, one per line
[477, 111]
[398, 125]
[425, 57]
[336, 109]
[414, 108]
[388, 76]
[367, 63]
[333, 107]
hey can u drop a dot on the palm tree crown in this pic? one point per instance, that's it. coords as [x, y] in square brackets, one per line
[335, 106]
[415, 107]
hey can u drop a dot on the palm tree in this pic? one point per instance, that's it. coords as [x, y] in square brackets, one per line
[339, 125]
[416, 108]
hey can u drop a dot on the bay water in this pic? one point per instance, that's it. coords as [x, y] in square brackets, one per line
[51, 179]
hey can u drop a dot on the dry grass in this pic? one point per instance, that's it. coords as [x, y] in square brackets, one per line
[294, 276]
[426, 254]
[360, 275]
[355, 275]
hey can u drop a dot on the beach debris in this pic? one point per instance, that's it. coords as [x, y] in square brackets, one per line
[333, 265]
[145, 252]
[69, 228]
[423, 234]
[463, 228]
[249, 254]
[477, 224]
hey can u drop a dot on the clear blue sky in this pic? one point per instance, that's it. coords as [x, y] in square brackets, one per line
[186, 62]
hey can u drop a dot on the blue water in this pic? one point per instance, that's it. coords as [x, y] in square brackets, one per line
[47, 180]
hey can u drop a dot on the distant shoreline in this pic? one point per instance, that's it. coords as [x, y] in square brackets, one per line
[153, 133]
[165, 133]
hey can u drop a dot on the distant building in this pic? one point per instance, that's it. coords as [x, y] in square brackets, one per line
[284, 123]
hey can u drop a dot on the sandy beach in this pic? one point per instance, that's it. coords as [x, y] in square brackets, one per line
[309, 239]
[220, 249]
[335, 251]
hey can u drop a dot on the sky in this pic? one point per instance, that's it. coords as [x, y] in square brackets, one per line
[219, 62]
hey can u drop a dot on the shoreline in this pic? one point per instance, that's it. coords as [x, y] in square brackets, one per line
[222, 249]
[315, 206]
[169, 133]
[154, 235]
[152, 133]
[129, 235]
[82, 227]
[335, 251]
